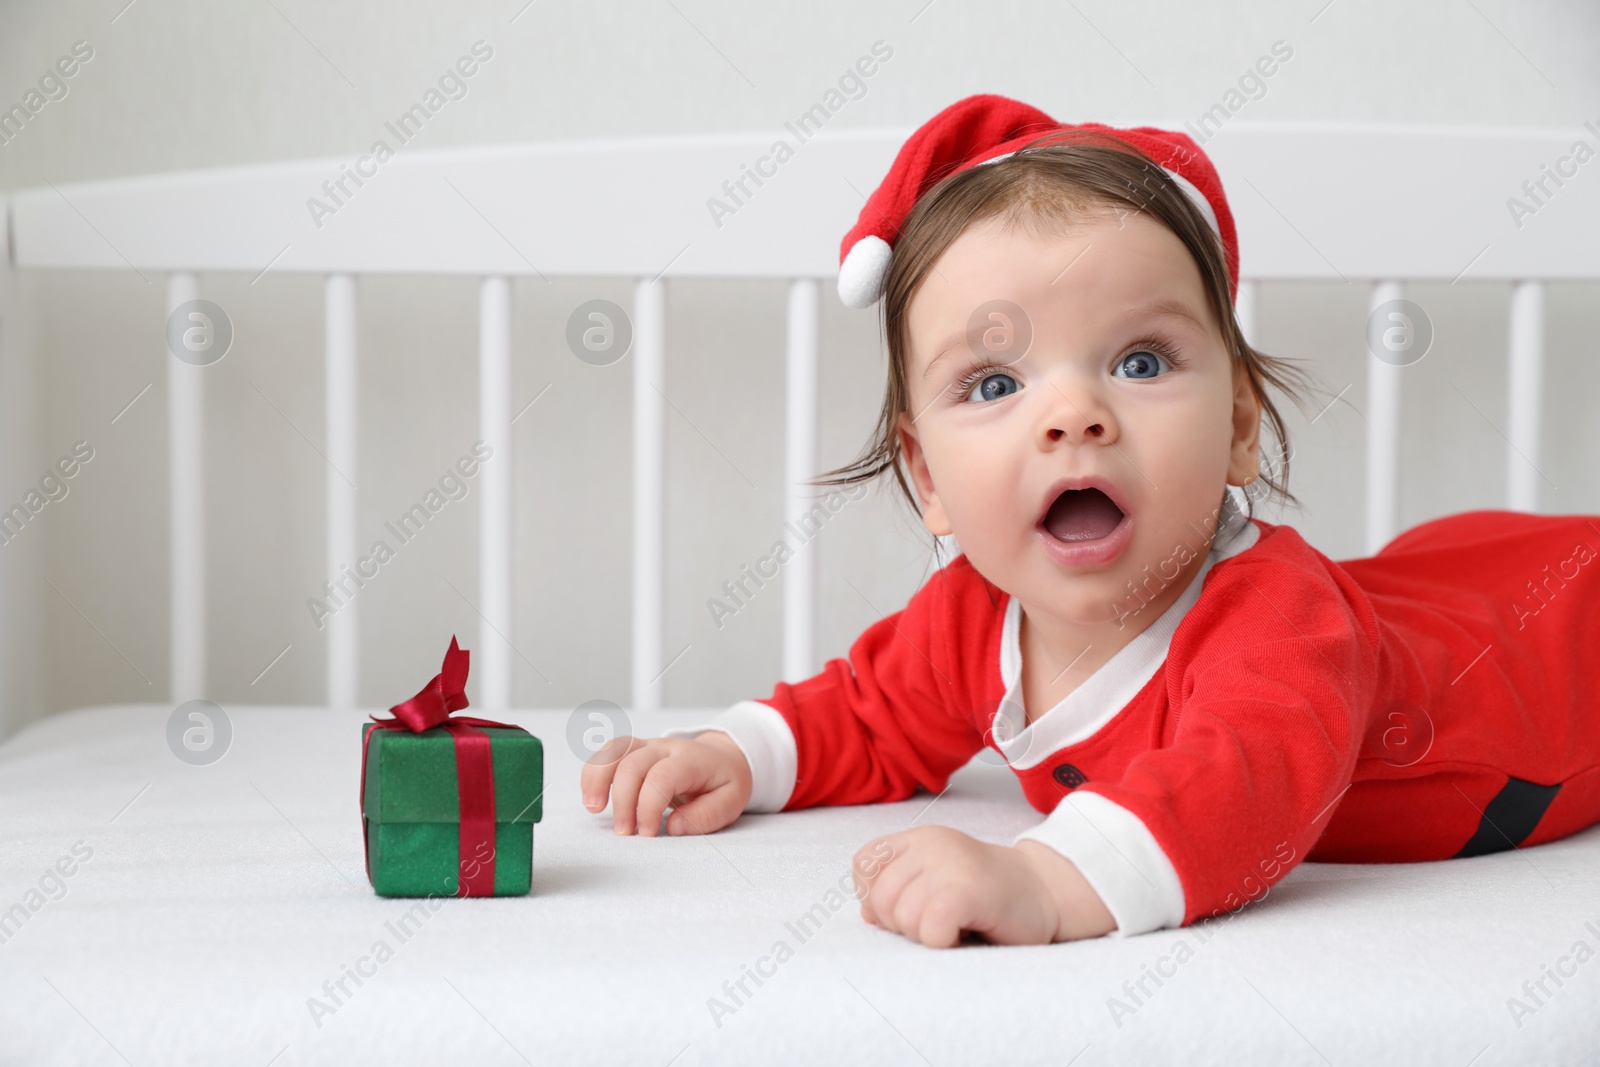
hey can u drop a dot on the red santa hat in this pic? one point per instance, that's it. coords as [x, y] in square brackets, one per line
[985, 128]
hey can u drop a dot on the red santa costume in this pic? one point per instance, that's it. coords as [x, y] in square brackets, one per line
[1436, 700]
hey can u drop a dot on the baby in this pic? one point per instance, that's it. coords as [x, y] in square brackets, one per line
[1197, 699]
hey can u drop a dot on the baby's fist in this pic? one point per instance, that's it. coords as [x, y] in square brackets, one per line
[706, 780]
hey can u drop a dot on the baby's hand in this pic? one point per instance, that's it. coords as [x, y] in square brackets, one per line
[939, 884]
[706, 779]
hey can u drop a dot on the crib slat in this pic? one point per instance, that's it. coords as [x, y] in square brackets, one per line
[1244, 311]
[800, 462]
[649, 494]
[1526, 393]
[1383, 427]
[494, 557]
[187, 543]
[342, 376]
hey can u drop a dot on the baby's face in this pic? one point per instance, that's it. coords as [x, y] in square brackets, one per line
[1098, 393]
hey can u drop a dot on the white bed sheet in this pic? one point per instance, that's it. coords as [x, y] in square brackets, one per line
[218, 902]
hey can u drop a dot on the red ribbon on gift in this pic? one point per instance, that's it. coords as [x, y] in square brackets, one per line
[432, 707]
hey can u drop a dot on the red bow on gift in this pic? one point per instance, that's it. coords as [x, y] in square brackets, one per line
[431, 708]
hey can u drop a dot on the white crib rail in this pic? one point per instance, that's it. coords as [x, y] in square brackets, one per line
[1416, 204]
[1383, 426]
[186, 543]
[800, 463]
[1525, 389]
[494, 501]
[649, 489]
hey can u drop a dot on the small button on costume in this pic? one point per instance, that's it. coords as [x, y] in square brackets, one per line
[1438, 699]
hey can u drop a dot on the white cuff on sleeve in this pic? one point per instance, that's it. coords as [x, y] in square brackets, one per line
[1120, 859]
[768, 745]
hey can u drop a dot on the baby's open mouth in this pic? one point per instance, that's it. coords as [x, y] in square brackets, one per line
[1081, 515]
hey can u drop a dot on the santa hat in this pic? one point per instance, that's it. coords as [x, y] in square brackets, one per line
[985, 128]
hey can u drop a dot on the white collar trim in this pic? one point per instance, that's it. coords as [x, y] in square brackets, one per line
[1101, 696]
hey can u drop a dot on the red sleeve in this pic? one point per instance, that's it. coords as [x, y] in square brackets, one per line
[1271, 682]
[876, 725]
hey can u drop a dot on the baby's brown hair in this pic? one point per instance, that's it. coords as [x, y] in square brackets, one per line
[1062, 177]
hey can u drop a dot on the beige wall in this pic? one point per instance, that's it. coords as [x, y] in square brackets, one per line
[176, 84]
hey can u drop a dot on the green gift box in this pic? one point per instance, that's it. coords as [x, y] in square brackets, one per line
[448, 802]
[411, 810]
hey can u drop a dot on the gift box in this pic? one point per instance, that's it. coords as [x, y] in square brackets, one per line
[448, 802]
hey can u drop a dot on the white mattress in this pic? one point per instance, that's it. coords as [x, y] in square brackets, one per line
[223, 897]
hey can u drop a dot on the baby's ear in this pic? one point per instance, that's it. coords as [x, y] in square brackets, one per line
[933, 516]
[1244, 459]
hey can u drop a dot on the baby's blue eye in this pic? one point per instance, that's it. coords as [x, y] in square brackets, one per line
[992, 387]
[1142, 364]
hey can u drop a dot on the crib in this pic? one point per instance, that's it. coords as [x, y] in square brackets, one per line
[1408, 963]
